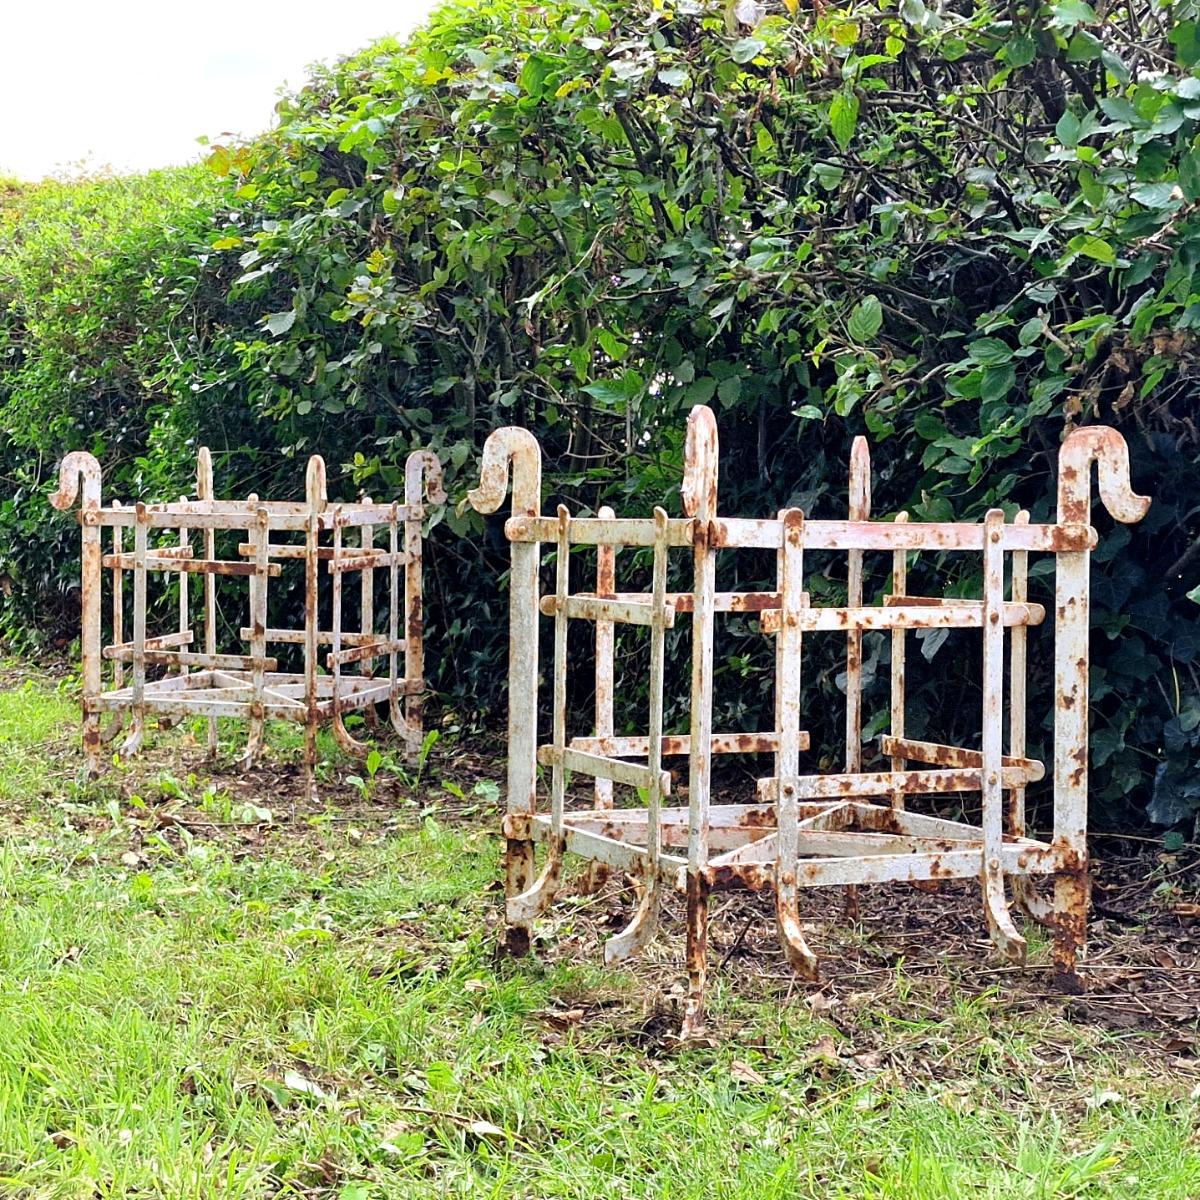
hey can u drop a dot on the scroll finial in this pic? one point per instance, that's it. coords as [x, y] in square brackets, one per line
[511, 444]
[77, 467]
[1108, 450]
[423, 466]
[700, 464]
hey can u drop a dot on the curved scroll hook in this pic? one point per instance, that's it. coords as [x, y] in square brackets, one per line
[77, 467]
[700, 464]
[520, 447]
[423, 466]
[204, 474]
[314, 482]
[1107, 449]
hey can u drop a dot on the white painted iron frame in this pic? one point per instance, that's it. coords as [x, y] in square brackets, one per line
[209, 684]
[805, 830]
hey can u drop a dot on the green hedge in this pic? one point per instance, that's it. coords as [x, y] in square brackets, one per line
[958, 231]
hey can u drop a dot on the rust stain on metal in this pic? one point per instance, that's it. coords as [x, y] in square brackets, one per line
[211, 684]
[809, 830]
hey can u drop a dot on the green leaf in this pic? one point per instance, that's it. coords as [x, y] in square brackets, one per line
[729, 390]
[843, 118]
[501, 197]
[611, 344]
[865, 321]
[1091, 246]
[673, 77]
[989, 352]
[279, 323]
[1021, 51]
[1067, 129]
[997, 382]
[747, 49]
[1189, 175]
[829, 176]
[810, 412]
[1069, 13]
[534, 74]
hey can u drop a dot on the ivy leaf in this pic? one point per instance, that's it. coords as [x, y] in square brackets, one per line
[843, 118]
[865, 321]
[279, 323]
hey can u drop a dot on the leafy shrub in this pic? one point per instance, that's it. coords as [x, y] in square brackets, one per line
[84, 335]
[957, 230]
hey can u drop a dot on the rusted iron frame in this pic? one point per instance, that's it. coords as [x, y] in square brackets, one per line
[984, 852]
[250, 696]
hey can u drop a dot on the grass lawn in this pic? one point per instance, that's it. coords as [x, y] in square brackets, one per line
[208, 992]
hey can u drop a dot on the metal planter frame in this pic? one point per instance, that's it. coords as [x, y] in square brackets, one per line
[802, 830]
[204, 683]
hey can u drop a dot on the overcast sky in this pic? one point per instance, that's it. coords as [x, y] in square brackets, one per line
[133, 83]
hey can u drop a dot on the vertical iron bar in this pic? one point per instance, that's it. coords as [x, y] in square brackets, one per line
[204, 491]
[606, 585]
[899, 588]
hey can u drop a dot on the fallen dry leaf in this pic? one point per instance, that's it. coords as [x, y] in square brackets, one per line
[743, 1072]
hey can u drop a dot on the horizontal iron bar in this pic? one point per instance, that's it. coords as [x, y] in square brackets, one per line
[297, 637]
[324, 553]
[722, 601]
[891, 868]
[617, 854]
[881, 783]
[623, 612]
[163, 641]
[187, 658]
[749, 534]
[958, 615]
[629, 774]
[597, 531]
[194, 566]
[955, 756]
[378, 649]
[679, 744]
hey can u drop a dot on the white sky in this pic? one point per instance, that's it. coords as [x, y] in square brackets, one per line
[133, 83]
